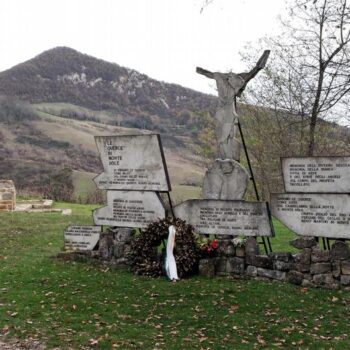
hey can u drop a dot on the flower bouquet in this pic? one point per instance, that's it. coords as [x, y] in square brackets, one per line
[208, 247]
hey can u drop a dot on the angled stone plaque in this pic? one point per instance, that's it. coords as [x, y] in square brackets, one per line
[319, 215]
[130, 209]
[81, 237]
[226, 217]
[316, 174]
[132, 162]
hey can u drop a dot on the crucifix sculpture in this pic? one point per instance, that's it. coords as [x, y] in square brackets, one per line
[230, 86]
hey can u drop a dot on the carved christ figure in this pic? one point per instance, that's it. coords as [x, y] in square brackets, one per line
[230, 86]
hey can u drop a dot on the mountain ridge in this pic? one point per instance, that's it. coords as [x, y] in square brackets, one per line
[62, 74]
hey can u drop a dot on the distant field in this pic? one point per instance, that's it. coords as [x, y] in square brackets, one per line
[83, 183]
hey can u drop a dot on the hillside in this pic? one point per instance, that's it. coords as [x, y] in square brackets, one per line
[70, 97]
[52, 105]
[65, 75]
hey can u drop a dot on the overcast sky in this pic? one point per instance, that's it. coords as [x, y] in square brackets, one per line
[165, 39]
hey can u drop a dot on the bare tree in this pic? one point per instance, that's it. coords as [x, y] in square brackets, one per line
[309, 71]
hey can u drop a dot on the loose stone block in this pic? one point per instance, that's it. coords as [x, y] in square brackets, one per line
[307, 284]
[319, 255]
[260, 261]
[132, 162]
[295, 277]
[302, 261]
[303, 242]
[226, 179]
[311, 214]
[316, 174]
[207, 267]
[226, 217]
[319, 268]
[282, 266]
[340, 251]
[81, 238]
[240, 252]
[226, 248]
[251, 271]
[221, 265]
[130, 209]
[322, 279]
[336, 270]
[345, 267]
[235, 266]
[282, 256]
[277, 275]
[123, 235]
[119, 250]
[345, 280]
[282, 261]
[106, 248]
[251, 246]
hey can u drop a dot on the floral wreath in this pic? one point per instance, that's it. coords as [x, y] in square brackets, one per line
[144, 258]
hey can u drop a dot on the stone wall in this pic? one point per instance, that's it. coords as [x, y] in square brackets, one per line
[7, 195]
[311, 267]
[113, 247]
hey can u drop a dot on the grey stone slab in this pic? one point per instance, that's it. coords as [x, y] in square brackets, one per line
[81, 237]
[235, 266]
[319, 215]
[226, 217]
[130, 209]
[345, 267]
[340, 251]
[274, 274]
[295, 277]
[303, 242]
[316, 174]
[251, 271]
[263, 261]
[132, 162]
[319, 268]
[251, 246]
[319, 255]
[226, 179]
[345, 280]
[207, 267]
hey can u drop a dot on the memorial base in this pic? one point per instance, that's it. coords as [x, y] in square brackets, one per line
[113, 247]
[311, 267]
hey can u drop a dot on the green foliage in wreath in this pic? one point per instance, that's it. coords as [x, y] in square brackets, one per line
[144, 257]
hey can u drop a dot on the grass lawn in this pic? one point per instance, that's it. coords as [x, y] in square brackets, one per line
[76, 305]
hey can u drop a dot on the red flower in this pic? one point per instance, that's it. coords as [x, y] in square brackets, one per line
[214, 244]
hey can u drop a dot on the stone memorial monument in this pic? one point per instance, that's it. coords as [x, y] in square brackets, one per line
[229, 86]
[132, 162]
[130, 209]
[316, 174]
[317, 201]
[134, 173]
[81, 238]
[226, 217]
[7, 195]
[222, 211]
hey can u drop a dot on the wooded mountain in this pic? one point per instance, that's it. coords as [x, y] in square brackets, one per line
[52, 105]
[66, 75]
[70, 97]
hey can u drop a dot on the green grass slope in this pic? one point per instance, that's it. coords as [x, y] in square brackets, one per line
[76, 305]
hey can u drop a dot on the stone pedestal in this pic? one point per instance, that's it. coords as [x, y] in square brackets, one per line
[7, 195]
